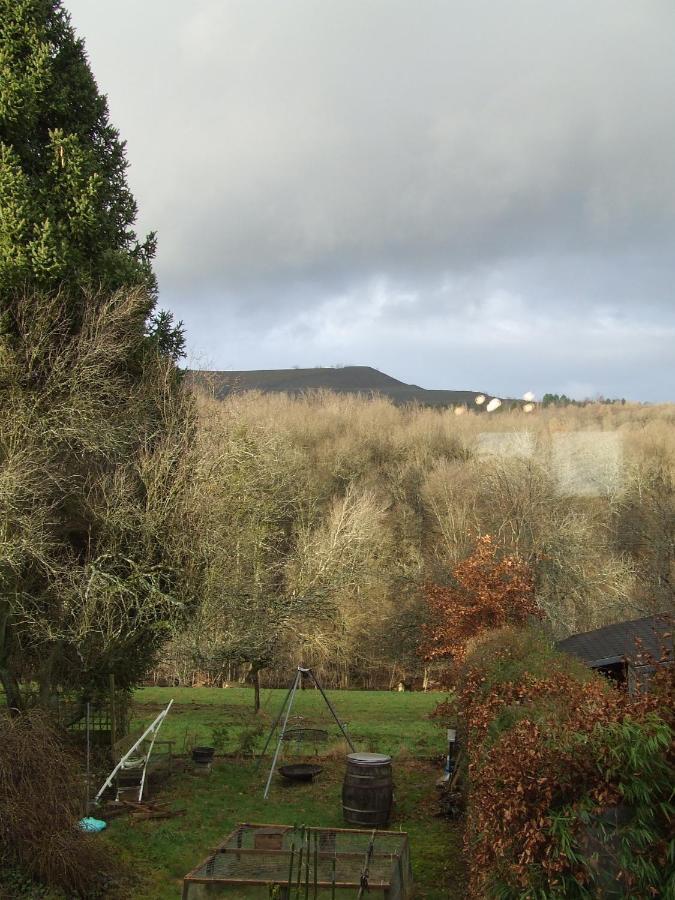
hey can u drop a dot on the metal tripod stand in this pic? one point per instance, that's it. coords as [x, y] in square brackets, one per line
[285, 711]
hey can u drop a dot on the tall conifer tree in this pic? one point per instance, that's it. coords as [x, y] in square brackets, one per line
[93, 421]
[67, 213]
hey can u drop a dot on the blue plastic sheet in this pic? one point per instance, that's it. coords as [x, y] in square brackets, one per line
[90, 824]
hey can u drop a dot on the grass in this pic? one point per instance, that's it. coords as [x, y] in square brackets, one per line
[379, 720]
[162, 852]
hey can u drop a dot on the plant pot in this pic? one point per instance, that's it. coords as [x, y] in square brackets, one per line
[203, 755]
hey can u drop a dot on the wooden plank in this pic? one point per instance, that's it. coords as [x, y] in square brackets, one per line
[367, 831]
[258, 851]
[327, 884]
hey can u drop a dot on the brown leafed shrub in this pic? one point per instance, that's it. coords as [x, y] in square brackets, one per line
[40, 806]
[570, 780]
[488, 591]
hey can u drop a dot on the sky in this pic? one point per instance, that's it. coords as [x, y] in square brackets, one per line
[465, 194]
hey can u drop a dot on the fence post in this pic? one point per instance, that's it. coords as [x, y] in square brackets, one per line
[113, 724]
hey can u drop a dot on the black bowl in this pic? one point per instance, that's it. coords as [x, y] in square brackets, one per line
[300, 771]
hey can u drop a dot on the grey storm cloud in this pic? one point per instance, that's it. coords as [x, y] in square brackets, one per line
[383, 180]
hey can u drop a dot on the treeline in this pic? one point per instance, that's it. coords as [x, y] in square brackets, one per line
[564, 400]
[321, 518]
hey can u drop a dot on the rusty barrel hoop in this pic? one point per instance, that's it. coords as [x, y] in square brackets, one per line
[367, 790]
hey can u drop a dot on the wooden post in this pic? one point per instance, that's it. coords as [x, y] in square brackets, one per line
[256, 690]
[113, 723]
[302, 849]
[307, 862]
[316, 865]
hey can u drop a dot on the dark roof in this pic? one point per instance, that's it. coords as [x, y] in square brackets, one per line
[616, 642]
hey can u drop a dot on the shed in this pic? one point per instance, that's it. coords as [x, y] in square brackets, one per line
[625, 651]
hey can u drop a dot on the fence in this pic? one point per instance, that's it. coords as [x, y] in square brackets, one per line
[288, 862]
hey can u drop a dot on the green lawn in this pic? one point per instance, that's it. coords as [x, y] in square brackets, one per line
[386, 721]
[162, 852]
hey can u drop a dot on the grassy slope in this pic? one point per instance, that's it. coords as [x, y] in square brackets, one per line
[162, 852]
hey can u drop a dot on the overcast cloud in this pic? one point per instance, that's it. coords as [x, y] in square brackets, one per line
[471, 194]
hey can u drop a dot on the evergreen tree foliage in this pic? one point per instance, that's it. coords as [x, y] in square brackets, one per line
[94, 422]
[67, 213]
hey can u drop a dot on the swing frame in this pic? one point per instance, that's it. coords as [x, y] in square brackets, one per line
[285, 711]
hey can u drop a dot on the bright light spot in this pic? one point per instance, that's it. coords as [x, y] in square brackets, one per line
[587, 463]
[480, 399]
[528, 396]
[507, 444]
[528, 407]
[459, 410]
[494, 404]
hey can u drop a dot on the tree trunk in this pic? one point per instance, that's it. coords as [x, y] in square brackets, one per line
[44, 676]
[256, 690]
[7, 677]
[12, 692]
[254, 677]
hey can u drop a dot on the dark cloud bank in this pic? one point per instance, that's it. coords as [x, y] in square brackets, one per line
[465, 194]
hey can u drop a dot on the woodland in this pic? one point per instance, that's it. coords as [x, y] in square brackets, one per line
[325, 521]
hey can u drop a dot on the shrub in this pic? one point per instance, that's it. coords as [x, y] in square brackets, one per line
[570, 779]
[220, 737]
[487, 591]
[40, 806]
[249, 739]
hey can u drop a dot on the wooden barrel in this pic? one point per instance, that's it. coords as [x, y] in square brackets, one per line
[367, 791]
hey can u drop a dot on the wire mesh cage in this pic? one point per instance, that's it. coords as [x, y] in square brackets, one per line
[105, 718]
[285, 862]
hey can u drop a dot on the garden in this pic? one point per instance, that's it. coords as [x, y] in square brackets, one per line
[161, 852]
[152, 531]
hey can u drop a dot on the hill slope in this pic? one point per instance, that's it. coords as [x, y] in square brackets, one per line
[346, 380]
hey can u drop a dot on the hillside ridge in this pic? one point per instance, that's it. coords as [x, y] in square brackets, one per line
[364, 380]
